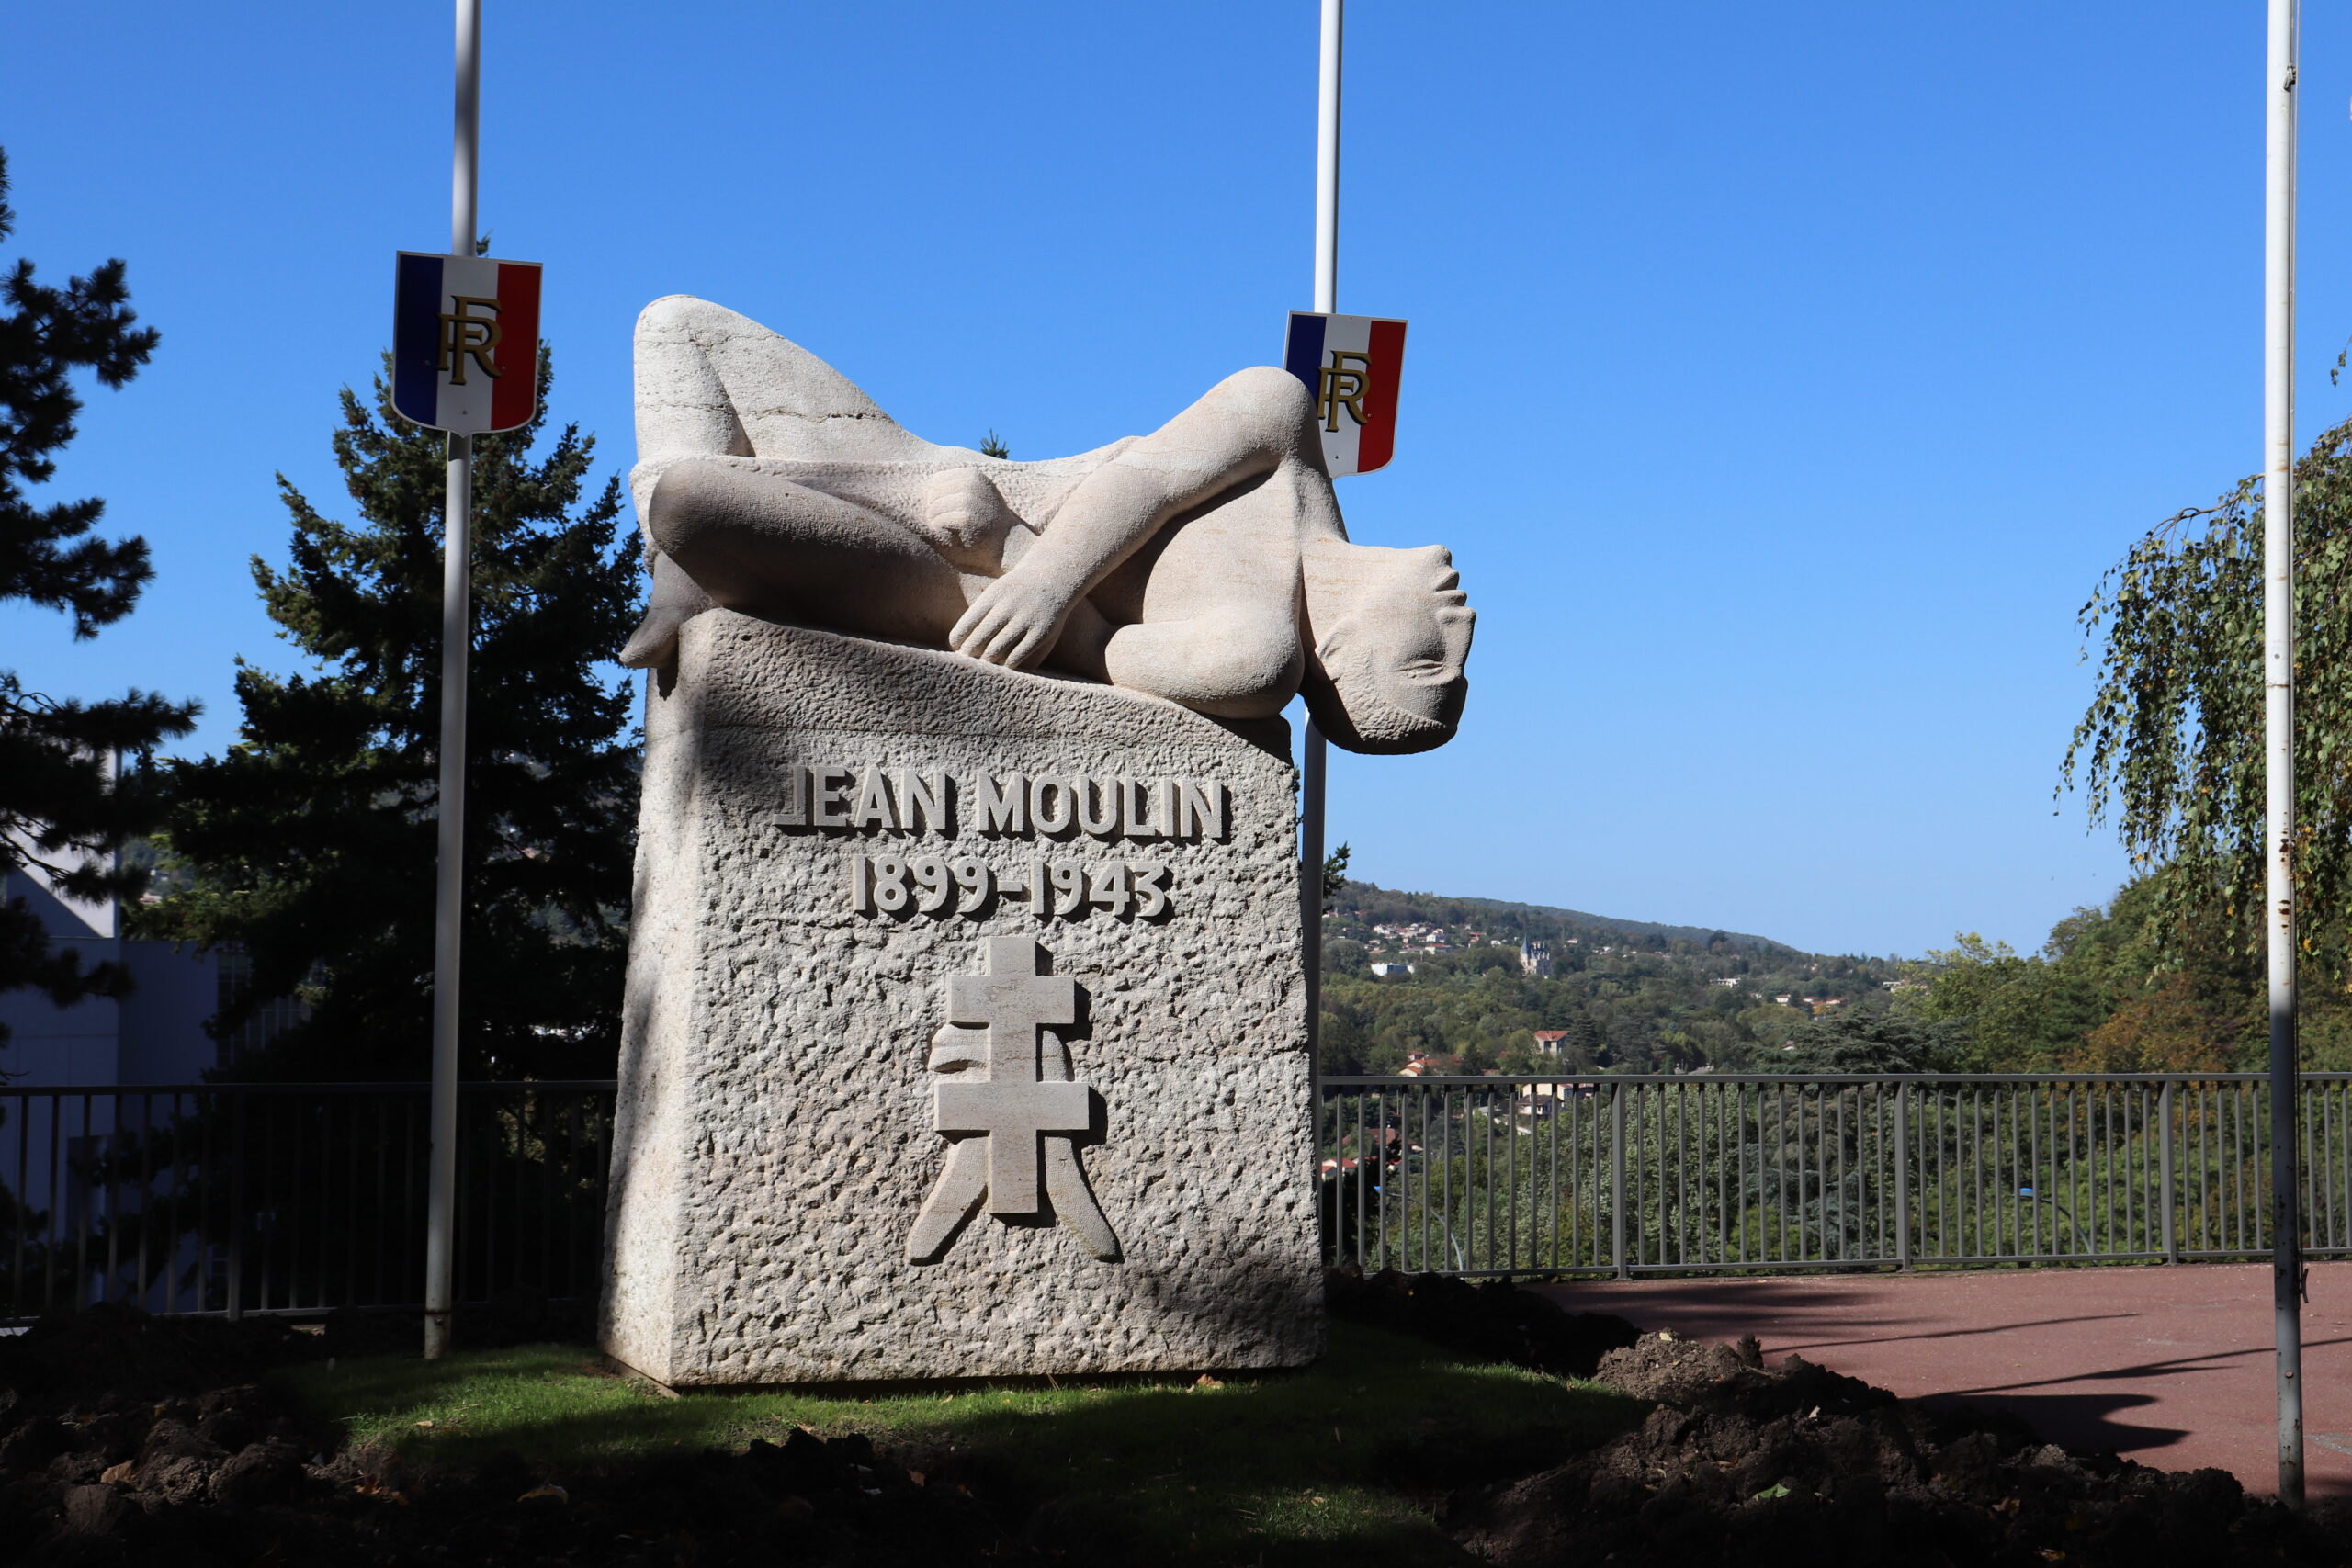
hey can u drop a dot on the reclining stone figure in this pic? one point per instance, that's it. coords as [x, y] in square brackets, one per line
[1204, 563]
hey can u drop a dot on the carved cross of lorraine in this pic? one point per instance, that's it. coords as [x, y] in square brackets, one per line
[1016, 1107]
[1022, 1117]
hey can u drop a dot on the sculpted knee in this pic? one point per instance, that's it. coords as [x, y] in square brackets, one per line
[682, 316]
[1274, 404]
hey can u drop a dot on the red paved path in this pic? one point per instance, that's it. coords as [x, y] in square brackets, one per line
[2168, 1365]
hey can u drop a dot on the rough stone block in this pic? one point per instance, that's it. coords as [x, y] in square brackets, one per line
[882, 1116]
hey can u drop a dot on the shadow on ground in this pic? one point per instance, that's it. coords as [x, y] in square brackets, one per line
[1324, 1465]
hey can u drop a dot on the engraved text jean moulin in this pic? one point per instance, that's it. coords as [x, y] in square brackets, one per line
[1024, 1110]
[920, 806]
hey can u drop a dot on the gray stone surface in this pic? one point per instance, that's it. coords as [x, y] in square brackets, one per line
[788, 1033]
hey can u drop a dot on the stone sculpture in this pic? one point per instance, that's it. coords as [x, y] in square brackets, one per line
[1205, 563]
[965, 1027]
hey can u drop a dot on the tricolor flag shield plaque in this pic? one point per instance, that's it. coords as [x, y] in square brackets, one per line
[466, 343]
[1351, 364]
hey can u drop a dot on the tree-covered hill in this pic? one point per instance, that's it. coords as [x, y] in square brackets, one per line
[1378, 905]
[2118, 988]
[1633, 996]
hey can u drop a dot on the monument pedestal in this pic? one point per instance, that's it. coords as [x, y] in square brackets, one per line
[965, 1032]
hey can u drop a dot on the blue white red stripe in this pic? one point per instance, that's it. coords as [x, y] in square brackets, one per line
[466, 341]
[1351, 366]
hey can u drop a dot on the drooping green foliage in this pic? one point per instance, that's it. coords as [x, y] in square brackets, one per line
[68, 802]
[2170, 750]
[311, 842]
[2119, 989]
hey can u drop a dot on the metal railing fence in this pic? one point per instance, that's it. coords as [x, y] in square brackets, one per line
[241, 1198]
[1624, 1174]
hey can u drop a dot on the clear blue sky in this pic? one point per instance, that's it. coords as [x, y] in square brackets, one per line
[1781, 376]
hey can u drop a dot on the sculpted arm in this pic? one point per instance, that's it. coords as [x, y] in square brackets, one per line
[1246, 425]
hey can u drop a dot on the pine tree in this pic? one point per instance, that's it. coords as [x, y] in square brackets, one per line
[311, 842]
[66, 807]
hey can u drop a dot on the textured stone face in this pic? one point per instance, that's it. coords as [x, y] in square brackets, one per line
[826, 1016]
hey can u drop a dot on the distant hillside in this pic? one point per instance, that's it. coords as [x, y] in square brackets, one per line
[1633, 929]
[1411, 974]
[1540, 921]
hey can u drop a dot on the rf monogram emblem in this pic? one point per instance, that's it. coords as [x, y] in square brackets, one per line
[465, 335]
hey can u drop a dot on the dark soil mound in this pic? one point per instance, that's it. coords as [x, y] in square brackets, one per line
[126, 1440]
[1755, 1467]
[1494, 1322]
[107, 1348]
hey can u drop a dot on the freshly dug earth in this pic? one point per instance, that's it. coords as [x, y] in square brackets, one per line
[132, 1440]
[1742, 1464]
[1493, 1322]
[136, 1441]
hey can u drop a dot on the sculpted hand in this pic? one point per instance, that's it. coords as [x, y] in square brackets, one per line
[1012, 623]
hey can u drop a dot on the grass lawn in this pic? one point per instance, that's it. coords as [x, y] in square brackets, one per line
[1285, 1469]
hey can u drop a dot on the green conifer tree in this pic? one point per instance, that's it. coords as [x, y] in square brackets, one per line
[66, 809]
[311, 842]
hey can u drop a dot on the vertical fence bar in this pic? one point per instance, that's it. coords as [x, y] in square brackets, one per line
[1780, 1168]
[1429, 1148]
[1510, 1156]
[1902, 1175]
[1598, 1183]
[1739, 1132]
[1984, 1108]
[82, 1206]
[1730, 1193]
[24, 1125]
[2171, 1235]
[1617, 1178]
[1357, 1176]
[1819, 1249]
[235, 1218]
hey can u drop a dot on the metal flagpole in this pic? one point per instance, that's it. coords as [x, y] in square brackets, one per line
[1326, 297]
[2279, 731]
[449, 893]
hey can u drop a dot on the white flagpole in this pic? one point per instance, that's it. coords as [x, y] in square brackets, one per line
[449, 893]
[2279, 731]
[1326, 296]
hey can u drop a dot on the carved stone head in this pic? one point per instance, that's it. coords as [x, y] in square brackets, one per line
[1391, 632]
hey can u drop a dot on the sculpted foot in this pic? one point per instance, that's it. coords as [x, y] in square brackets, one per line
[676, 600]
[655, 641]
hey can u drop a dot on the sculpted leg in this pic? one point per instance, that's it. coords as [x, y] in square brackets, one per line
[764, 545]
